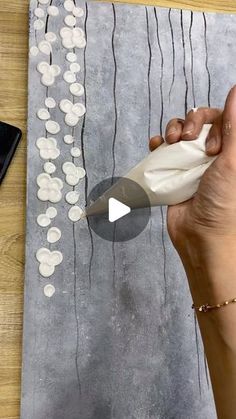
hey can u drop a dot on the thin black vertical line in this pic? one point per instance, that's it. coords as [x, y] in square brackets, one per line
[162, 71]
[173, 54]
[192, 62]
[83, 149]
[115, 131]
[184, 63]
[206, 61]
[148, 74]
[161, 122]
[198, 355]
[114, 91]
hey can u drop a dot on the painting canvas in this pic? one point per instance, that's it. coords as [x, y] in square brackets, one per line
[108, 328]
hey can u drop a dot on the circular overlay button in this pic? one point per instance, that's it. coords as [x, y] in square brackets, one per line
[118, 209]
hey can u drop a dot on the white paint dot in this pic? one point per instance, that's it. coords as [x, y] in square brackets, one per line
[51, 212]
[69, 77]
[75, 213]
[78, 12]
[55, 70]
[49, 290]
[69, 168]
[52, 127]
[45, 47]
[81, 172]
[68, 139]
[38, 24]
[72, 179]
[72, 197]
[79, 109]
[43, 67]
[46, 270]
[71, 119]
[75, 68]
[66, 105]
[77, 89]
[43, 1]
[38, 12]
[43, 114]
[53, 11]
[75, 152]
[69, 5]
[49, 167]
[53, 235]
[50, 37]
[71, 57]
[50, 102]
[43, 220]
[48, 79]
[34, 51]
[70, 20]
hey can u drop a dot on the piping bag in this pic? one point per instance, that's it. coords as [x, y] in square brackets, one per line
[169, 175]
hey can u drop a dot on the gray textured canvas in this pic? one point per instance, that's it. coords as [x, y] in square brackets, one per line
[118, 340]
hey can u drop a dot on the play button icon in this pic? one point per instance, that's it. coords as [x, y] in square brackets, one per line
[116, 210]
[117, 216]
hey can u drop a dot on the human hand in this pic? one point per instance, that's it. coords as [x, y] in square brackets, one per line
[211, 213]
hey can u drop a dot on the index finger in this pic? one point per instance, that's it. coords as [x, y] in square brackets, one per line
[195, 120]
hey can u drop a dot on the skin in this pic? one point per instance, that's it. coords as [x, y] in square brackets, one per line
[203, 231]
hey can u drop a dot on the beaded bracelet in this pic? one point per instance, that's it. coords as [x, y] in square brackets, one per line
[206, 307]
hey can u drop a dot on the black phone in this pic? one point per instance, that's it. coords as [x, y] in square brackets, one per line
[9, 140]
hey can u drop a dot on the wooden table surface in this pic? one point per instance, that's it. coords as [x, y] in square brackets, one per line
[13, 109]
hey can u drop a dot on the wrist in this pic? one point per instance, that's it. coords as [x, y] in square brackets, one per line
[210, 266]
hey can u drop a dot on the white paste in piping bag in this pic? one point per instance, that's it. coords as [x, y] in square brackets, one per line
[38, 24]
[51, 212]
[49, 290]
[53, 235]
[75, 213]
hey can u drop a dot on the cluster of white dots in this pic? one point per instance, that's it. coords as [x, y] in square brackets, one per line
[50, 188]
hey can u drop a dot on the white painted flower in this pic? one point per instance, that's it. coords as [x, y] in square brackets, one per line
[73, 173]
[48, 148]
[73, 37]
[48, 261]
[73, 111]
[49, 188]
[49, 72]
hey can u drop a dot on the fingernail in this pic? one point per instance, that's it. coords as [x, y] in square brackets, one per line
[188, 128]
[171, 131]
[210, 143]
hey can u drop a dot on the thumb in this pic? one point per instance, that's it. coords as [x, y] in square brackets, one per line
[229, 125]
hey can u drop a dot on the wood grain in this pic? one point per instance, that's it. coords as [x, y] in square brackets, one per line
[13, 109]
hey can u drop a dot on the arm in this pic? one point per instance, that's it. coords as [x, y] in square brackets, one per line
[203, 231]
